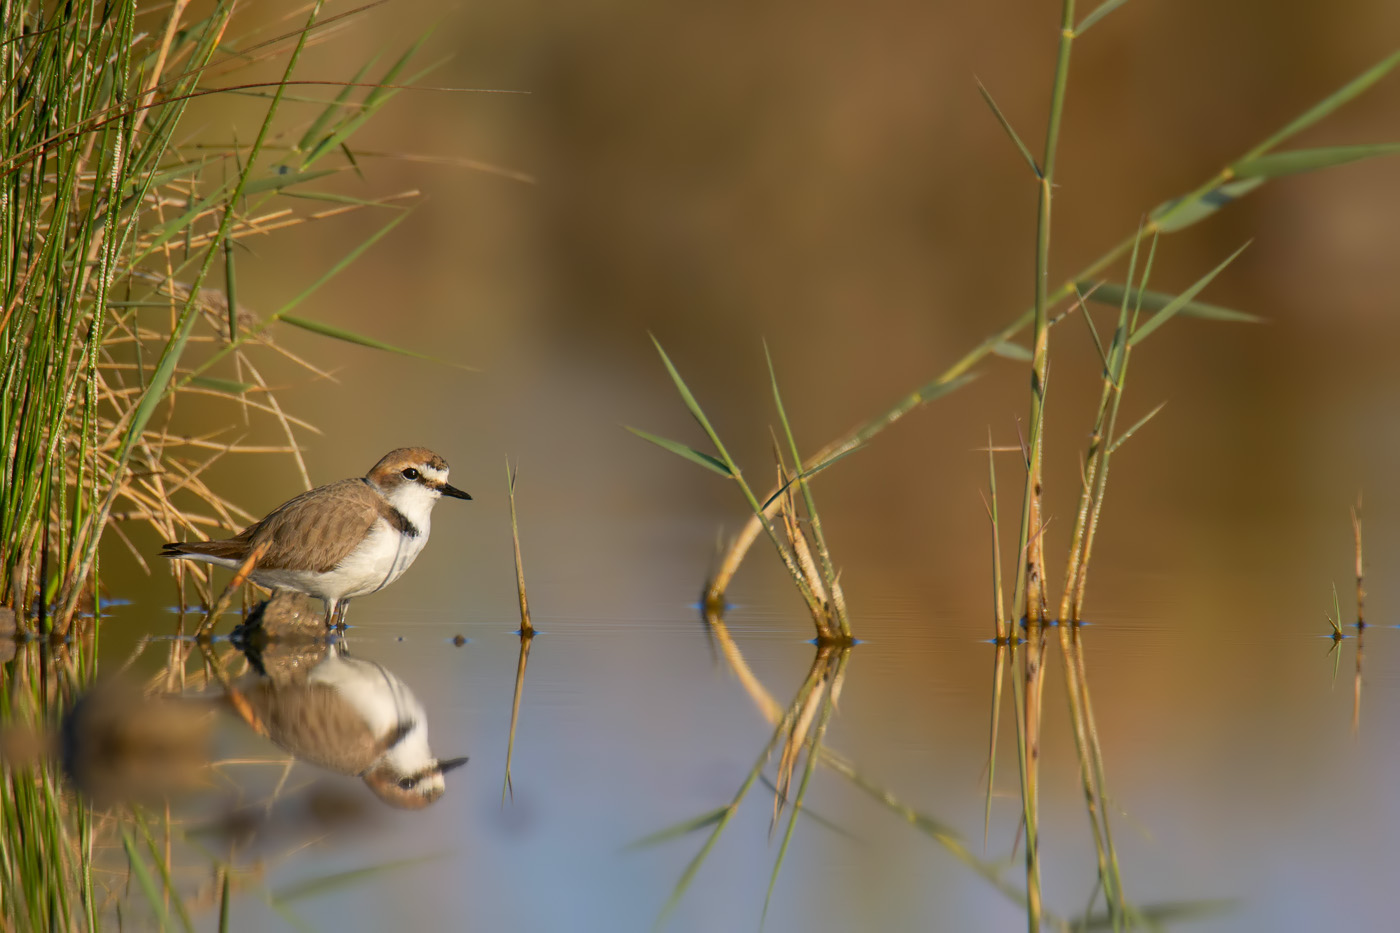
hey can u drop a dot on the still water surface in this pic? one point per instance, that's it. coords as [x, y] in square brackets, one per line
[631, 722]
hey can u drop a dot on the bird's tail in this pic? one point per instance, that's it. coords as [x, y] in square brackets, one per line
[225, 550]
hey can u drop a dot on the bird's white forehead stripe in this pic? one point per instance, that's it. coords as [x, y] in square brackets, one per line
[437, 476]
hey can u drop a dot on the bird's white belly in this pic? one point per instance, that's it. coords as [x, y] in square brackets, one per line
[380, 559]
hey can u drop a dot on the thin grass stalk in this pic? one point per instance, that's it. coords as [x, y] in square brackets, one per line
[1003, 632]
[1360, 574]
[1074, 690]
[1032, 538]
[993, 730]
[527, 638]
[1123, 347]
[837, 606]
[836, 669]
[1032, 669]
[525, 627]
[1356, 684]
[1125, 911]
[1098, 442]
[1004, 629]
[1033, 672]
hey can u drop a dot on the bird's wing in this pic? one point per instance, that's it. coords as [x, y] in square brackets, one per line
[316, 530]
[313, 722]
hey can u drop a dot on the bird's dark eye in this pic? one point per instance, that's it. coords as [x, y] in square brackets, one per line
[410, 473]
[407, 783]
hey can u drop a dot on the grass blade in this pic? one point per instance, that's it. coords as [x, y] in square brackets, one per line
[683, 828]
[350, 336]
[146, 882]
[332, 882]
[1146, 328]
[1006, 125]
[279, 180]
[689, 453]
[1111, 293]
[1180, 213]
[1118, 441]
[1331, 102]
[1010, 350]
[222, 385]
[1103, 9]
[829, 461]
[1277, 164]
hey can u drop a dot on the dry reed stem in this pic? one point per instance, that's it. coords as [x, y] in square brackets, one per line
[1360, 572]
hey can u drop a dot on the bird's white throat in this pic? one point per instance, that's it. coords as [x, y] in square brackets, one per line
[414, 502]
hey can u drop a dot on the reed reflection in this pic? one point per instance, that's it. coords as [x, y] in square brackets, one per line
[313, 699]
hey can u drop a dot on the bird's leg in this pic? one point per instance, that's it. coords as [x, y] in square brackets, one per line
[341, 607]
[330, 614]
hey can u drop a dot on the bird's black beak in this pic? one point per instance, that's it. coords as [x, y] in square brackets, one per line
[453, 491]
[451, 763]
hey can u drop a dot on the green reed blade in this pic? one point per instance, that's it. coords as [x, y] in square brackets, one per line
[1169, 311]
[1103, 9]
[334, 882]
[1278, 164]
[376, 98]
[224, 901]
[691, 404]
[230, 386]
[1006, 125]
[683, 828]
[317, 128]
[1010, 350]
[342, 264]
[164, 868]
[279, 180]
[1093, 331]
[1111, 293]
[807, 474]
[935, 389]
[1158, 916]
[1331, 102]
[1120, 439]
[334, 197]
[689, 453]
[145, 882]
[824, 822]
[1180, 213]
[350, 336]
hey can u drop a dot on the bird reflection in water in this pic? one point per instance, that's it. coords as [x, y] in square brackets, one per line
[323, 706]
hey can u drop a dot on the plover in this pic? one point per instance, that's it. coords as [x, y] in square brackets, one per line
[342, 540]
[344, 714]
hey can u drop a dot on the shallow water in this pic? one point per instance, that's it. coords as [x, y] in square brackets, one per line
[1233, 760]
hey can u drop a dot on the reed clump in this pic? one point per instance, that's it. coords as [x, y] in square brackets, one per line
[119, 245]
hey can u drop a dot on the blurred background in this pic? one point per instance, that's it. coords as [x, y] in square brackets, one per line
[825, 177]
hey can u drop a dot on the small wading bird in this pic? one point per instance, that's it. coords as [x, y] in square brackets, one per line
[335, 711]
[343, 540]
